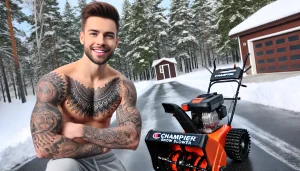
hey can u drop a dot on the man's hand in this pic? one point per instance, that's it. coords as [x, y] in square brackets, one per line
[72, 130]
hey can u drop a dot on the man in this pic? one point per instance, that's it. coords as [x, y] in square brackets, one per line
[70, 122]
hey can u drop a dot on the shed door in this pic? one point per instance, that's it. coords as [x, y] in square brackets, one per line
[278, 54]
[166, 71]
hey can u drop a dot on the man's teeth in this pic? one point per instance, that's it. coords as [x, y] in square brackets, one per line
[100, 51]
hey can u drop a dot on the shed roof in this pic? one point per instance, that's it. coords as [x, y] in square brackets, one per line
[272, 12]
[155, 62]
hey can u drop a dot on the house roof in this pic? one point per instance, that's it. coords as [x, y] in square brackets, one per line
[155, 62]
[272, 12]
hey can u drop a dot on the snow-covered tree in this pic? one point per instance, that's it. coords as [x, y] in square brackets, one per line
[120, 60]
[204, 18]
[159, 28]
[45, 22]
[230, 14]
[8, 66]
[68, 37]
[140, 40]
[181, 35]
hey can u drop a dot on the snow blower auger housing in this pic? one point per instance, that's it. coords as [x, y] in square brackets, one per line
[205, 143]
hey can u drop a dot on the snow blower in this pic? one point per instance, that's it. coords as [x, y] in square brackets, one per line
[205, 143]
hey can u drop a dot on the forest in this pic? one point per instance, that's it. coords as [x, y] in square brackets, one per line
[194, 32]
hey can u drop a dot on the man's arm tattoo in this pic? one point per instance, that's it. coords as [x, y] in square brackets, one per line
[46, 123]
[127, 135]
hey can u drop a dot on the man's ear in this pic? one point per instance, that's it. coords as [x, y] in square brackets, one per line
[117, 41]
[81, 37]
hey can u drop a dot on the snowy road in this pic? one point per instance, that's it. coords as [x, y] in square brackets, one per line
[275, 144]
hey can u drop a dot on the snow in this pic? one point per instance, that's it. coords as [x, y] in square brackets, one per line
[49, 33]
[16, 145]
[163, 33]
[155, 62]
[187, 39]
[271, 12]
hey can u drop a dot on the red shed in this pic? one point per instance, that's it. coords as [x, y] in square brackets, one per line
[165, 68]
[272, 37]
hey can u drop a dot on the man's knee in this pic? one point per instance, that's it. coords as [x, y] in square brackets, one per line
[65, 164]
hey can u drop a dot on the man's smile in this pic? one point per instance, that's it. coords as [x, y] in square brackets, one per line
[99, 52]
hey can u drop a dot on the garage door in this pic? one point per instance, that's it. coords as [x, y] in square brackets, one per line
[278, 54]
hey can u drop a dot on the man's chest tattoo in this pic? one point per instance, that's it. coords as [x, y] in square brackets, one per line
[92, 102]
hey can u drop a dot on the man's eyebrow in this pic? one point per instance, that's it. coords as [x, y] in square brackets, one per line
[93, 30]
[110, 33]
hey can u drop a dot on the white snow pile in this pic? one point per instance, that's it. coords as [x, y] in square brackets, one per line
[16, 143]
[269, 13]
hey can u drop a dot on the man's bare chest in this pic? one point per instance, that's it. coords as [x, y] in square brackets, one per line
[92, 103]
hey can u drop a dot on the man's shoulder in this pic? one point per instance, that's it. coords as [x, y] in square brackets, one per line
[53, 77]
[126, 81]
[58, 75]
[128, 87]
[52, 87]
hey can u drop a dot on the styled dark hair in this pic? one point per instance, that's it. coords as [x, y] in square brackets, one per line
[100, 9]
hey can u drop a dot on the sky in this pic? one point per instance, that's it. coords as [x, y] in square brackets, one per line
[18, 147]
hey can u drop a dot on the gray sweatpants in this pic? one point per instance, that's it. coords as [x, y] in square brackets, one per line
[103, 162]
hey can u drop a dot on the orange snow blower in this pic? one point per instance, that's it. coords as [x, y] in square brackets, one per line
[205, 143]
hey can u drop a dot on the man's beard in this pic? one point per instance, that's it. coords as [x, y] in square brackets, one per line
[90, 56]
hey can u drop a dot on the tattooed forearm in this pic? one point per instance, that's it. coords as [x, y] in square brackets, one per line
[127, 135]
[45, 125]
[46, 122]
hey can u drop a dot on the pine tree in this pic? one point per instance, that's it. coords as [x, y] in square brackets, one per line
[230, 14]
[120, 61]
[140, 39]
[181, 35]
[6, 49]
[160, 27]
[45, 22]
[204, 19]
[68, 37]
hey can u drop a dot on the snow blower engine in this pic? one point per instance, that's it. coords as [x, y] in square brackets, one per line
[204, 143]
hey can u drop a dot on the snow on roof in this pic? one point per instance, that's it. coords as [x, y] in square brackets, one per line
[269, 13]
[155, 62]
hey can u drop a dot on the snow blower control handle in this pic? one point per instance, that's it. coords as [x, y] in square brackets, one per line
[239, 98]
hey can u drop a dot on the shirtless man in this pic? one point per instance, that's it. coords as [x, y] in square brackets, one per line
[70, 122]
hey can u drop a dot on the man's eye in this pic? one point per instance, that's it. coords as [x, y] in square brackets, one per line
[110, 36]
[94, 34]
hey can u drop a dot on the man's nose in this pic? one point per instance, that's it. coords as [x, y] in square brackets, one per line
[100, 40]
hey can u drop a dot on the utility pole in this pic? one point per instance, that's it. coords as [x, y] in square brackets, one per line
[14, 48]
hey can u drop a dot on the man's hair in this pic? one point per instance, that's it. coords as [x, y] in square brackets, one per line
[99, 9]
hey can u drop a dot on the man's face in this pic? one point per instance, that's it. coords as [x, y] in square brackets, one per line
[99, 39]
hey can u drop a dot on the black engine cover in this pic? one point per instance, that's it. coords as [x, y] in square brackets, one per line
[206, 103]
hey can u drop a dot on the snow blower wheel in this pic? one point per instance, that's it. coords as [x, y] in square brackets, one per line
[237, 144]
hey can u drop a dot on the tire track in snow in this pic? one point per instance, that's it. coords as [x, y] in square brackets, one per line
[279, 149]
[128, 157]
[171, 96]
